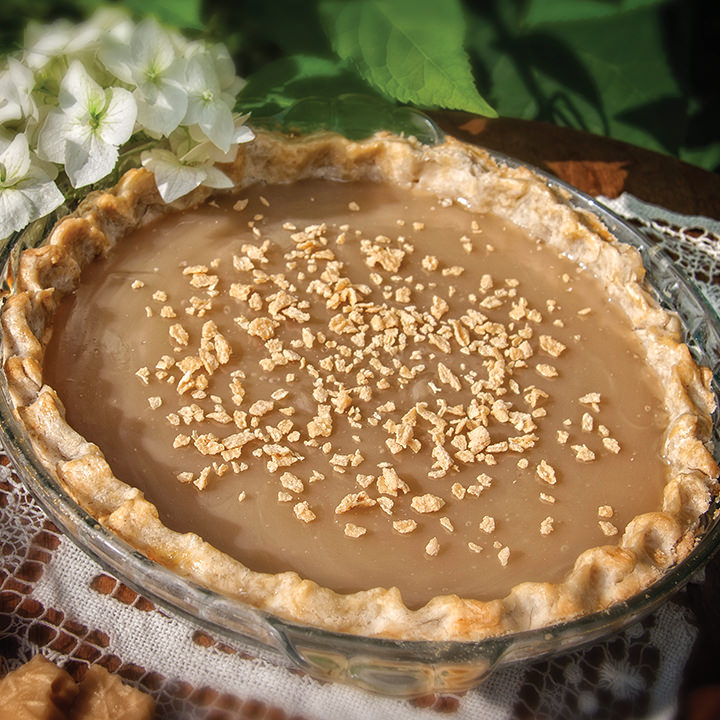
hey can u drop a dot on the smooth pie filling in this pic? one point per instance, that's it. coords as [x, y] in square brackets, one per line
[365, 385]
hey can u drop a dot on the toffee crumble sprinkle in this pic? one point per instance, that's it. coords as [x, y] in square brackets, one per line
[439, 362]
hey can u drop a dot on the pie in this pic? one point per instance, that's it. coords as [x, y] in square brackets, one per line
[380, 388]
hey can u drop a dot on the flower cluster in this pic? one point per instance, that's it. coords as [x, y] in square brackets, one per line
[78, 95]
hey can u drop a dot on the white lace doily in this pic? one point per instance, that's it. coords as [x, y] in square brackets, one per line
[56, 600]
[692, 242]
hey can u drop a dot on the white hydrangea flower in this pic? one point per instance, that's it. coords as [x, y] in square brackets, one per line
[230, 83]
[149, 62]
[112, 23]
[177, 173]
[16, 86]
[175, 177]
[27, 190]
[65, 39]
[84, 132]
[195, 146]
[45, 43]
[209, 106]
[82, 90]
[191, 160]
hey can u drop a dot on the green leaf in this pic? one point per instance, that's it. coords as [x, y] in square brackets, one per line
[182, 14]
[604, 75]
[409, 50]
[540, 12]
[304, 94]
[281, 84]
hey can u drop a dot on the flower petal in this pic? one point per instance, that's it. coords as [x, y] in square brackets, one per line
[89, 162]
[44, 42]
[51, 140]
[216, 121]
[16, 85]
[44, 196]
[201, 153]
[201, 76]
[118, 118]
[243, 134]
[79, 89]
[16, 211]
[216, 178]
[9, 109]
[163, 109]
[16, 160]
[115, 56]
[173, 179]
[151, 48]
[112, 22]
[224, 65]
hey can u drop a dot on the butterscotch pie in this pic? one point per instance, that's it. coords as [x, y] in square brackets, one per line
[381, 388]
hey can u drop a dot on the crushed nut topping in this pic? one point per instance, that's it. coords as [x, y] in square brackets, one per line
[547, 525]
[394, 349]
[548, 371]
[427, 503]
[487, 525]
[447, 524]
[303, 512]
[583, 453]
[552, 346]
[592, 399]
[144, 374]
[433, 547]
[546, 473]
[354, 531]
[355, 500]
[404, 526]
[504, 556]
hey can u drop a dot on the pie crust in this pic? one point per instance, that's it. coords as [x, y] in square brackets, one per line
[651, 542]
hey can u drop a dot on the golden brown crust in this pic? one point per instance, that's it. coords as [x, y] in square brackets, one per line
[651, 543]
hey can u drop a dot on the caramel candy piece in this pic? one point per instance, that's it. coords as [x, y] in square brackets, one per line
[39, 690]
[104, 696]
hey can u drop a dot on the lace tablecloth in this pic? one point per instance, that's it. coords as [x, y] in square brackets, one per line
[57, 601]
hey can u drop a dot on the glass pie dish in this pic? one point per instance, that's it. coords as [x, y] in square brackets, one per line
[396, 667]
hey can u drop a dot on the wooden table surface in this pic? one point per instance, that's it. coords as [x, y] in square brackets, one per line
[602, 166]
[596, 165]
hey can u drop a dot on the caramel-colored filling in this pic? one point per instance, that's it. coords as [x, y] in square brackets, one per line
[366, 386]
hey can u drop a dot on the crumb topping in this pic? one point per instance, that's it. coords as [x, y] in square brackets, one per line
[433, 547]
[466, 378]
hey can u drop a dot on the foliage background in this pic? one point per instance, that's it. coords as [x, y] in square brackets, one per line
[642, 71]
